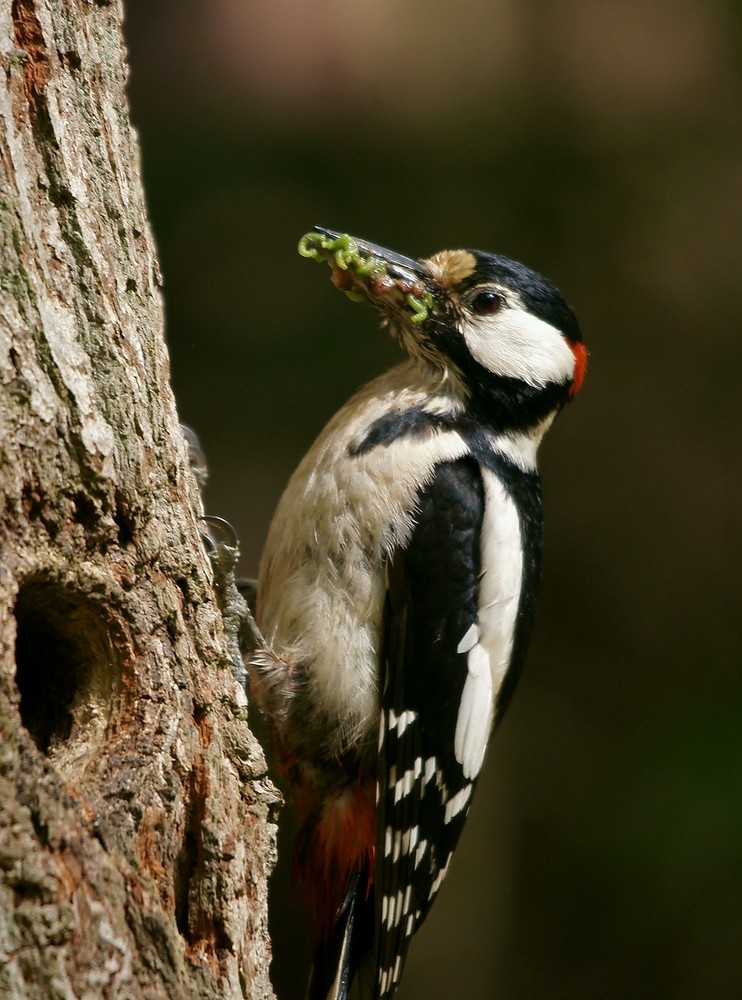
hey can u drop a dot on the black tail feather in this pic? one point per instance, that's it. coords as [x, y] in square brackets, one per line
[338, 959]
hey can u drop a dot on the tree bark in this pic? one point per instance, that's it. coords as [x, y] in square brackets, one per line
[136, 817]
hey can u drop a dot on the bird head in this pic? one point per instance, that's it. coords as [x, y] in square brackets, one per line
[499, 333]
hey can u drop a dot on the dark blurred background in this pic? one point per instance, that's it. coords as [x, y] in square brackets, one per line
[601, 143]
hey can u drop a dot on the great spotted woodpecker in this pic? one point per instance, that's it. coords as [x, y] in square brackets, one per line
[397, 589]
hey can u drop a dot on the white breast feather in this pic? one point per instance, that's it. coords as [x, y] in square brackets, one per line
[321, 590]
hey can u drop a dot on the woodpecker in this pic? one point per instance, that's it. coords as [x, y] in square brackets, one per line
[397, 589]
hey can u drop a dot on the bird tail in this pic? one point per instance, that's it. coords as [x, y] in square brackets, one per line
[340, 960]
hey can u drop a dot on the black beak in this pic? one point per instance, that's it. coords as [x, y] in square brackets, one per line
[398, 265]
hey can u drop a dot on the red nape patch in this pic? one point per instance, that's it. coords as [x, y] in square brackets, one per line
[335, 841]
[580, 353]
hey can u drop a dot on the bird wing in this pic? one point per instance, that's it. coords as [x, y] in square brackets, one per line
[436, 707]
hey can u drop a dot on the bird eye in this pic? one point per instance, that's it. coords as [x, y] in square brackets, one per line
[487, 303]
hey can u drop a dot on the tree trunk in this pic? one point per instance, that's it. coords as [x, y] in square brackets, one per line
[136, 829]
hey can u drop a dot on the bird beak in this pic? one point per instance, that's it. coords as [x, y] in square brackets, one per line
[396, 284]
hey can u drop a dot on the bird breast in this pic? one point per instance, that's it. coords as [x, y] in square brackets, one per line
[321, 586]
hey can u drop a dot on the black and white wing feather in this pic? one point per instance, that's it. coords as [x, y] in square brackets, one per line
[430, 726]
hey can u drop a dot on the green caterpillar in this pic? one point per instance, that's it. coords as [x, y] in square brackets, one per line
[345, 252]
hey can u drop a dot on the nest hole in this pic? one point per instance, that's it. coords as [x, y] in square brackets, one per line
[67, 670]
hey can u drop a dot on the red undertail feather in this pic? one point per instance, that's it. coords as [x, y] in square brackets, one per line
[336, 841]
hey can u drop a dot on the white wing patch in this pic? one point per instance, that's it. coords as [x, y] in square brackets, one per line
[457, 803]
[438, 879]
[406, 783]
[489, 643]
[475, 712]
[401, 721]
[471, 638]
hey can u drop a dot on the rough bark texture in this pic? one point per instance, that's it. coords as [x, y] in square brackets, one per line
[136, 826]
